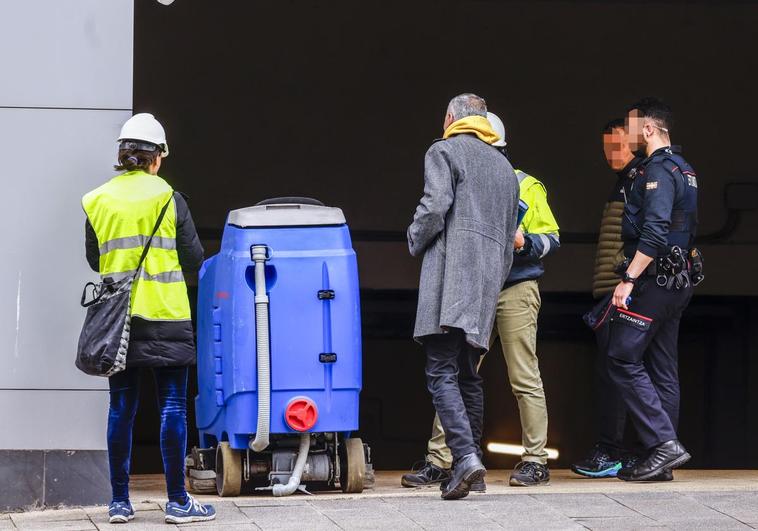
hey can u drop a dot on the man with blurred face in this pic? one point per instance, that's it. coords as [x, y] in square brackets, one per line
[607, 456]
[616, 145]
[610, 249]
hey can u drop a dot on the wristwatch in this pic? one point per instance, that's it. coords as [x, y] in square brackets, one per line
[627, 278]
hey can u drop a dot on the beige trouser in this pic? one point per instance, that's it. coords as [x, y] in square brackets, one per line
[516, 323]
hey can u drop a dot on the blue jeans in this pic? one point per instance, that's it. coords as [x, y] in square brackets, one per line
[172, 399]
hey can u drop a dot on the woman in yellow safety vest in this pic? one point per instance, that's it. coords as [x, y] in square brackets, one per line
[121, 215]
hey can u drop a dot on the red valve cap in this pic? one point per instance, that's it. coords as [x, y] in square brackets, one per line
[301, 414]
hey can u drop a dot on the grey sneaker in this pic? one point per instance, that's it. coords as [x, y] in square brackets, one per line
[529, 474]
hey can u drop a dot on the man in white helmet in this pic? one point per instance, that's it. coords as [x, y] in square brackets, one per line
[516, 324]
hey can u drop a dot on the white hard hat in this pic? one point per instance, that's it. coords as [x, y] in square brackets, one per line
[145, 127]
[497, 125]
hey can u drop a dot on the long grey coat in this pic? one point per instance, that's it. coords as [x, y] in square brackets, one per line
[464, 226]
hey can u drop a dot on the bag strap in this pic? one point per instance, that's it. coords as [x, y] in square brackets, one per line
[150, 240]
[95, 295]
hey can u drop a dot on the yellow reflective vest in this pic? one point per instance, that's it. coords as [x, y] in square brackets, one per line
[123, 213]
[539, 219]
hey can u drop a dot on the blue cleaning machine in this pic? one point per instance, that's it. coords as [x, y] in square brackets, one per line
[279, 354]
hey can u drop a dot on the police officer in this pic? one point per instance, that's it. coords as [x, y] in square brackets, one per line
[658, 230]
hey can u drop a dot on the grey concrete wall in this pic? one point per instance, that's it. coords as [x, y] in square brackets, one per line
[66, 89]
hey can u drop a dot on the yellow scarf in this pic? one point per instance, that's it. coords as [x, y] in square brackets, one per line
[477, 125]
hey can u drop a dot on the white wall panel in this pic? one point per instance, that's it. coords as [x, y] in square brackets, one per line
[66, 89]
[51, 420]
[66, 53]
[52, 158]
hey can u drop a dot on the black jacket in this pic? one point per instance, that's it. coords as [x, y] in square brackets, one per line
[161, 343]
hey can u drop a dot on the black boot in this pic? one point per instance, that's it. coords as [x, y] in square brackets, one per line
[428, 474]
[666, 475]
[467, 470]
[662, 458]
[629, 461]
[480, 487]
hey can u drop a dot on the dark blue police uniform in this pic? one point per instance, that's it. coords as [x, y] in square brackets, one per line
[661, 212]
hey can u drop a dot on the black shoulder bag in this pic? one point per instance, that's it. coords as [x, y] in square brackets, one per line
[104, 340]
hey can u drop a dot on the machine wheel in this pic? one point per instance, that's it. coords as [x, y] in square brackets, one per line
[228, 470]
[352, 465]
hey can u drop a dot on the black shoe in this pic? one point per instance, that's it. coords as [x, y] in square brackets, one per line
[479, 487]
[663, 457]
[428, 474]
[666, 475]
[467, 471]
[601, 462]
[529, 474]
[629, 460]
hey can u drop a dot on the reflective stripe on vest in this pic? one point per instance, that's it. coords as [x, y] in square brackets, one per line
[166, 278]
[130, 242]
[123, 213]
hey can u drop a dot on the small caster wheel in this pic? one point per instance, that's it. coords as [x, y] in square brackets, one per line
[228, 470]
[352, 465]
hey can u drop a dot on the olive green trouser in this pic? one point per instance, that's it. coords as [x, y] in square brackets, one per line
[516, 323]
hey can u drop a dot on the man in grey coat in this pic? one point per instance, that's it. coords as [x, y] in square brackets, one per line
[464, 227]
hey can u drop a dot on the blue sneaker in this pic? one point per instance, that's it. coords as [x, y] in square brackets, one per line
[120, 512]
[192, 511]
[602, 462]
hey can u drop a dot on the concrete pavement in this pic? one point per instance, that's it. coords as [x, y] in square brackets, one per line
[695, 500]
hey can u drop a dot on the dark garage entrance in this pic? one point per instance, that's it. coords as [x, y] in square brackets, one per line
[339, 100]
